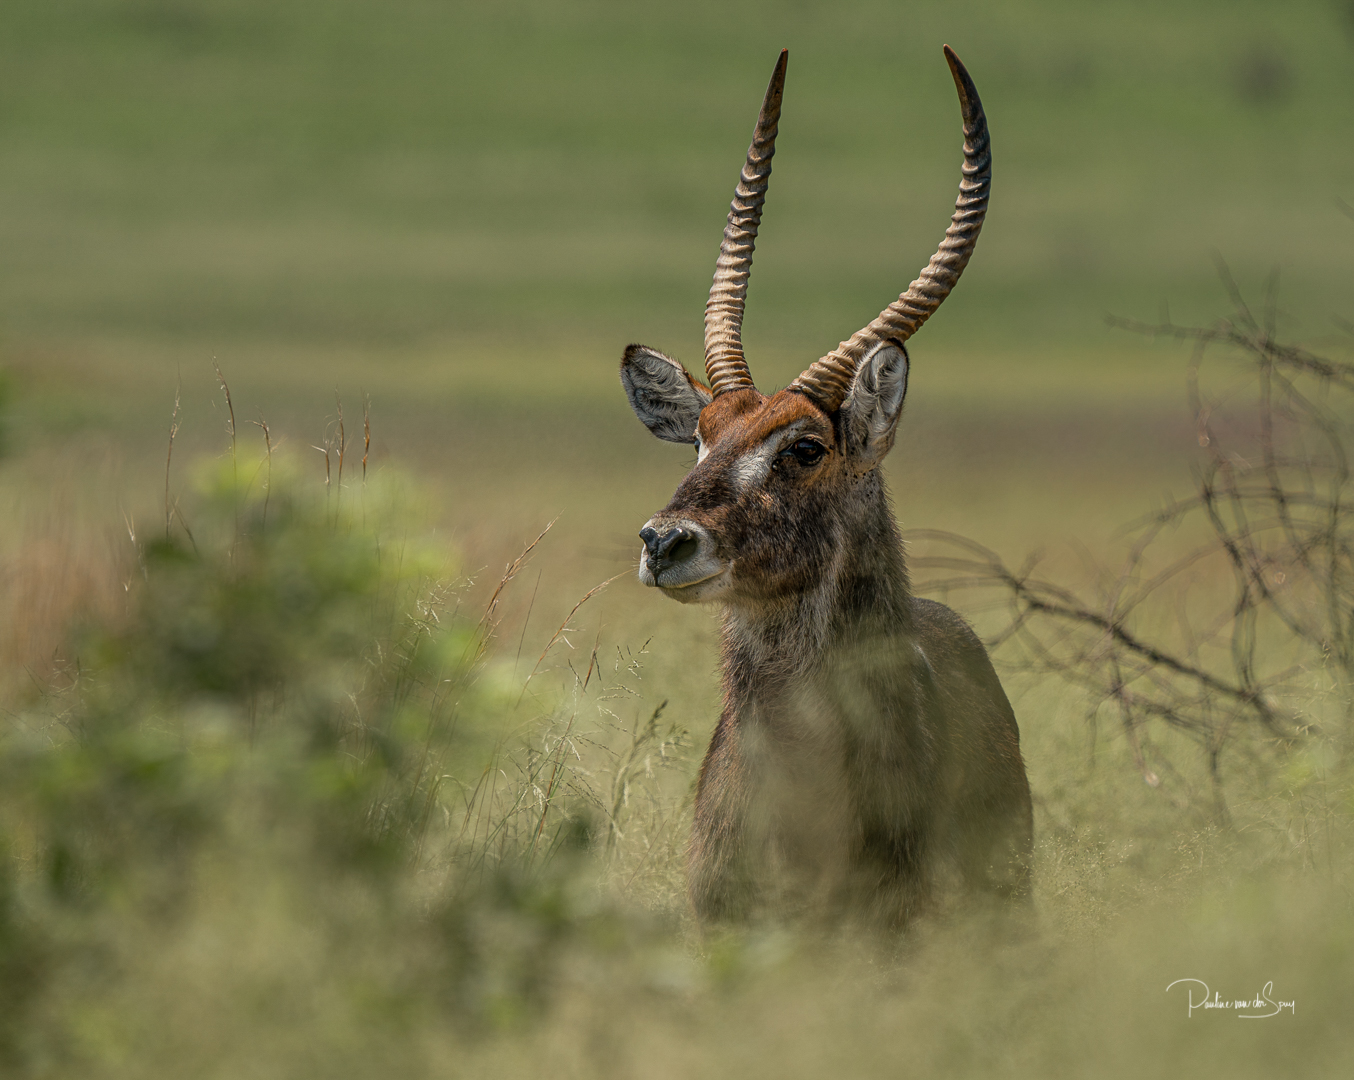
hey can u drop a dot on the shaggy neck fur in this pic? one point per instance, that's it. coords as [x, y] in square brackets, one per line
[770, 648]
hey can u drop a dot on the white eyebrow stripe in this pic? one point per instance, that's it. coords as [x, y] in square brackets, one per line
[752, 468]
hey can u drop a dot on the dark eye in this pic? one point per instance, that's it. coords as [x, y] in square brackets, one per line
[806, 451]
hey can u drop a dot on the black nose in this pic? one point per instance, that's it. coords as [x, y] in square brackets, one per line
[672, 547]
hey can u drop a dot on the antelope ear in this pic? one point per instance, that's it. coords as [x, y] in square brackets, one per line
[667, 400]
[870, 412]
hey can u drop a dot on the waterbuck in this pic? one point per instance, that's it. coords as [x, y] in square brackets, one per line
[866, 758]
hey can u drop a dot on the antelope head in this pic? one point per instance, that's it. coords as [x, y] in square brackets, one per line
[780, 482]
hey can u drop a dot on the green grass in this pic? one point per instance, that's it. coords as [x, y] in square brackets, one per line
[406, 173]
[466, 211]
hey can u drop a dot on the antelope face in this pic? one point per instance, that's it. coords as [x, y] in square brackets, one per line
[769, 502]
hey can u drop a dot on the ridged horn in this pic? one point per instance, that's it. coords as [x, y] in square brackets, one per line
[724, 364]
[829, 380]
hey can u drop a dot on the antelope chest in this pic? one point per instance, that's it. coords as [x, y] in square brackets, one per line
[802, 758]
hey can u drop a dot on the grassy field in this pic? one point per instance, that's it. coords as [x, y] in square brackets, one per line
[377, 175]
[464, 212]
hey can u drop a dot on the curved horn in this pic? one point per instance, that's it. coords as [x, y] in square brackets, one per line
[829, 380]
[724, 364]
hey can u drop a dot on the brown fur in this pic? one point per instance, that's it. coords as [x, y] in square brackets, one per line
[866, 757]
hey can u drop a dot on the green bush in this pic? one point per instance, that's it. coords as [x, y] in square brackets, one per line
[257, 760]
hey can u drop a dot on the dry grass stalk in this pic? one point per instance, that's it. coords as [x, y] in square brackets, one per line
[234, 461]
[487, 623]
[169, 456]
[564, 628]
[366, 434]
[262, 425]
[342, 448]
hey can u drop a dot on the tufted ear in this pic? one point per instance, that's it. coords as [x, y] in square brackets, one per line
[667, 400]
[870, 412]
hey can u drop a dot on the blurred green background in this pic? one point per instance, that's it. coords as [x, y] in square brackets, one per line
[211, 173]
[467, 210]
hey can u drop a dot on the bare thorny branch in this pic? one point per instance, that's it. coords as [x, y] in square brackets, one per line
[1163, 642]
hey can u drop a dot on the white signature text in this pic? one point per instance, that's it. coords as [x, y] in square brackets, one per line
[1260, 1007]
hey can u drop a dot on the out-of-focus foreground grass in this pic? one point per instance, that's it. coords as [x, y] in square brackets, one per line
[298, 807]
[295, 796]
